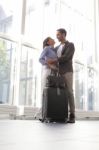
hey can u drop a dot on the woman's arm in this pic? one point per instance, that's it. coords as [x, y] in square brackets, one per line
[42, 58]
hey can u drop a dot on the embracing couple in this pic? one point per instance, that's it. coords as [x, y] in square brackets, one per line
[59, 58]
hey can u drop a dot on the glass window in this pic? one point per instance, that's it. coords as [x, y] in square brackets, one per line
[29, 74]
[79, 86]
[10, 16]
[51, 19]
[6, 15]
[37, 20]
[7, 49]
[84, 7]
[91, 88]
[85, 87]
[80, 29]
[34, 21]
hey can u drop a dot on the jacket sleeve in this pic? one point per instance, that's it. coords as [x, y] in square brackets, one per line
[68, 54]
[42, 58]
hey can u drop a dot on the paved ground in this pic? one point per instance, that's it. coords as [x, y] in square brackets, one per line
[34, 135]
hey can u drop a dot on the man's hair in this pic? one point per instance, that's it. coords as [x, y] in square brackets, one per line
[63, 31]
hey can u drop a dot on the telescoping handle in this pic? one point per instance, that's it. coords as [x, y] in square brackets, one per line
[57, 72]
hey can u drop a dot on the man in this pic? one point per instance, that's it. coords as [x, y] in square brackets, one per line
[65, 52]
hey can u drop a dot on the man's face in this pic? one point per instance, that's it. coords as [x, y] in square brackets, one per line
[59, 36]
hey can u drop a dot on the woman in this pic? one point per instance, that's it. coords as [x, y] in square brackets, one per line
[48, 54]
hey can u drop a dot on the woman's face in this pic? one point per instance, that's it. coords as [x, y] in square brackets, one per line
[51, 42]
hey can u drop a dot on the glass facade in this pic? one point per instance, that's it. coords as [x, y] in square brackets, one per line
[23, 26]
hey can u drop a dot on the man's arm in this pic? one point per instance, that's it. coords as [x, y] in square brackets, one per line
[68, 55]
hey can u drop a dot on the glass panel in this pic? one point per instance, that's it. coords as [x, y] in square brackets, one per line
[10, 13]
[80, 29]
[79, 87]
[6, 15]
[86, 88]
[28, 94]
[51, 18]
[34, 21]
[91, 89]
[83, 7]
[7, 49]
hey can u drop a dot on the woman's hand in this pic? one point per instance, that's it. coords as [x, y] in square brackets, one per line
[52, 61]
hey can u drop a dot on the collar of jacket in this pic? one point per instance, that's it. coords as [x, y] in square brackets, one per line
[66, 42]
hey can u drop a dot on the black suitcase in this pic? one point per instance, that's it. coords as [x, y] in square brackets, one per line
[55, 105]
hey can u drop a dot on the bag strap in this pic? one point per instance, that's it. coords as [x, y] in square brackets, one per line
[55, 73]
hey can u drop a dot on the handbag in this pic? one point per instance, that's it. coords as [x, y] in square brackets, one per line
[55, 80]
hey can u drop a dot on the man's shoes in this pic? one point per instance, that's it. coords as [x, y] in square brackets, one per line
[71, 118]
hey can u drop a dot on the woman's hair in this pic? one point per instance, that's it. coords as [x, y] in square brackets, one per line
[45, 42]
